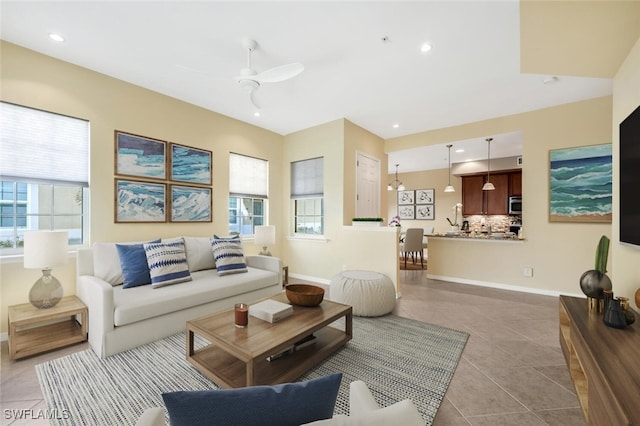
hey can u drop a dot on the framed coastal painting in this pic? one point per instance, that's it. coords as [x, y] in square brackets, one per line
[407, 211]
[406, 197]
[137, 201]
[580, 184]
[425, 212]
[140, 156]
[425, 196]
[190, 204]
[190, 165]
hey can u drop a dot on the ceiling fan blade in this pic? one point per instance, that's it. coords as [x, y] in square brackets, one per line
[281, 73]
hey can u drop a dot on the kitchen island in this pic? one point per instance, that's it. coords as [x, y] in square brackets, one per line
[482, 260]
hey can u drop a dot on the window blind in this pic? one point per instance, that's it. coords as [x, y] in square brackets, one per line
[307, 178]
[248, 176]
[40, 146]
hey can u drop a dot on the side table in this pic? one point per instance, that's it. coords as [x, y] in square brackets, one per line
[33, 331]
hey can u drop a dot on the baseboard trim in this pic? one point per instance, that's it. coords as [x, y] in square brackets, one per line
[309, 278]
[500, 286]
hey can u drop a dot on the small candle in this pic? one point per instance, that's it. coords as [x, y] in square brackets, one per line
[241, 315]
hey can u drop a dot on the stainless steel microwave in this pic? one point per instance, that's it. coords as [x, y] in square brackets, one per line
[515, 205]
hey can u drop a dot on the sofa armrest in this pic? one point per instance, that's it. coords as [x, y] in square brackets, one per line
[98, 296]
[360, 399]
[268, 263]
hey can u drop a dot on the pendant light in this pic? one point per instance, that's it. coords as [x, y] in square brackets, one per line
[396, 184]
[449, 188]
[488, 186]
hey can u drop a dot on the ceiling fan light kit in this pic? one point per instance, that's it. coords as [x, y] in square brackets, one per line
[250, 80]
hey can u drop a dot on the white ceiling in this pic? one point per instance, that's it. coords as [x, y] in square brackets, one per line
[192, 51]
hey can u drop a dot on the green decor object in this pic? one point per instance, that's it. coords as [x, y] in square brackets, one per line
[594, 281]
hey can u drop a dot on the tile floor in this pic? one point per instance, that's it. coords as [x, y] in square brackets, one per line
[512, 371]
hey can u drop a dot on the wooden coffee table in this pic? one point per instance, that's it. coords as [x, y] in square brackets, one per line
[237, 357]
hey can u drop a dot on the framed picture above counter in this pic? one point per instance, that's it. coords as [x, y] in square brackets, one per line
[417, 204]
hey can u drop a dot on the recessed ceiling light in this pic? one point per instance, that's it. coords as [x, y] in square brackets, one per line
[425, 47]
[459, 150]
[56, 37]
[256, 114]
[395, 126]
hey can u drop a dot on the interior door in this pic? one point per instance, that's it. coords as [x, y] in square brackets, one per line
[367, 186]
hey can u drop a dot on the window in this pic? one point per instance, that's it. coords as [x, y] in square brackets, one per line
[43, 175]
[307, 194]
[248, 189]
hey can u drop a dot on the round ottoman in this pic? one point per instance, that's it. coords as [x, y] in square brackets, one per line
[370, 293]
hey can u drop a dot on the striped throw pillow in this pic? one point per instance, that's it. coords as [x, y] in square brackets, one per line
[167, 263]
[229, 255]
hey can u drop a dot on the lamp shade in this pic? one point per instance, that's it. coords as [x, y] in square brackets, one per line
[265, 235]
[45, 249]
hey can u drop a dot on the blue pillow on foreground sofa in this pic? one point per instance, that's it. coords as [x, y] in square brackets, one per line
[278, 405]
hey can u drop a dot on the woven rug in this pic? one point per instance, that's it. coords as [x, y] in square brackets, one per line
[397, 358]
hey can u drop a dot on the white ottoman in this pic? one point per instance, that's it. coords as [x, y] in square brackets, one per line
[370, 293]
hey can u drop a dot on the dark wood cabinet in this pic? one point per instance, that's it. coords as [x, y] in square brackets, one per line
[515, 184]
[476, 201]
[472, 196]
[603, 364]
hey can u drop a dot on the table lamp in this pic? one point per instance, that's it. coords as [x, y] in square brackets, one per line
[264, 236]
[44, 250]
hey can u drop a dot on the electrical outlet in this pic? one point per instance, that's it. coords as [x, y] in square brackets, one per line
[527, 272]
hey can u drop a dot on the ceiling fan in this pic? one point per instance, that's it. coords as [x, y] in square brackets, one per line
[250, 80]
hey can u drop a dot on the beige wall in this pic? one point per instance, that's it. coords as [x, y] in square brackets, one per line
[38, 81]
[558, 252]
[626, 94]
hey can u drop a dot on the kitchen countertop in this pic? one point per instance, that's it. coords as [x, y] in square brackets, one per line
[480, 237]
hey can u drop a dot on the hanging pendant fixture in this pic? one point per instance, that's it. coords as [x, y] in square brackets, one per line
[488, 186]
[449, 187]
[396, 184]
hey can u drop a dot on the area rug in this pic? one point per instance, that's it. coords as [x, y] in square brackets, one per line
[396, 357]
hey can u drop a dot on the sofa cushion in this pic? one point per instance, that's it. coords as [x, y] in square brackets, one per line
[167, 263]
[133, 262]
[199, 253]
[140, 303]
[278, 405]
[106, 262]
[229, 255]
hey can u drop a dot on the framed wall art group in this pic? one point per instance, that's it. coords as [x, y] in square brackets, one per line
[159, 181]
[417, 204]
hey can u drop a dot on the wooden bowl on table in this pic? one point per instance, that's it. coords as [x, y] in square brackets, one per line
[304, 294]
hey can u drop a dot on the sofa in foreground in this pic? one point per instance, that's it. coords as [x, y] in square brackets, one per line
[186, 277]
[311, 402]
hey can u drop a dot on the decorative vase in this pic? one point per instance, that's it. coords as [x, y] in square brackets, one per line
[638, 298]
[614, 316]
[594, 282]
[628, 313]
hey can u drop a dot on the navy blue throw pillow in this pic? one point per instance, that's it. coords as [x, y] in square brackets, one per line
[279, 405]
[133, 262]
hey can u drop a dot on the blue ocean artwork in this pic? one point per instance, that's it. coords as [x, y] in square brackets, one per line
[190, 204]
[141, 157]
[140, 202]
[581, 183]
[190, 165]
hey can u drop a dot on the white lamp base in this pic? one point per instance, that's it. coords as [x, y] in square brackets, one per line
[46, 292]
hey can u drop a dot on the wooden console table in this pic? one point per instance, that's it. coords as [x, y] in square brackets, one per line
[604, 364]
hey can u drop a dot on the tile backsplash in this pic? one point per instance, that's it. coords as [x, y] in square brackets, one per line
[498, 223]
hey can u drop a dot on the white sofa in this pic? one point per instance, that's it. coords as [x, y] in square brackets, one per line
[123, 318]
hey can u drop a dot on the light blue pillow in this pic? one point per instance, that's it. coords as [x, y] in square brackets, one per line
[229, 255]
[279, 405]
[167, 263]
[133, 262]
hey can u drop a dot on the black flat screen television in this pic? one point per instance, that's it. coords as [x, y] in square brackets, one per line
[630, 178]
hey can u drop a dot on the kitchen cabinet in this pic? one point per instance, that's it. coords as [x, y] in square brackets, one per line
[515, 184]
[476, 201]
